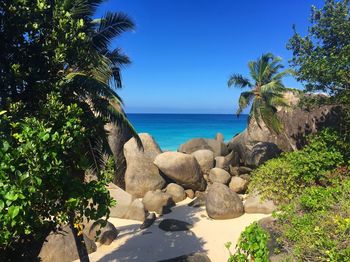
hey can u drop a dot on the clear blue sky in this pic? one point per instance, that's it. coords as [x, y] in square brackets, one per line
[184, 50]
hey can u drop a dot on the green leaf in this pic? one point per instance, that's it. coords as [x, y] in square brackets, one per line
[5, 146]
[2, 204]
[11, 196]
[13, 211]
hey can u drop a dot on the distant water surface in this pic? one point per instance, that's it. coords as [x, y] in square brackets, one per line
[172, 130]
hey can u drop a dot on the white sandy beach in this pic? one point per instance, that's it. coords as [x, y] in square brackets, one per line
[153, 244]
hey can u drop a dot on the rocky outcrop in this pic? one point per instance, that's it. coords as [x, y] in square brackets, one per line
[158, 201]
[254, 204]
[127, 206]
[223, 203]
[217, 147]
[219, 175]
[224, 162]
[219, 137]
[205, 159]
[60, 246]
[141, 174]
[177, 192]
[257, 143]
[181, 168]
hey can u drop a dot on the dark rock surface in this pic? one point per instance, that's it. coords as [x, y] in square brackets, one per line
[174, 225]
[148, 221]
[60, 246]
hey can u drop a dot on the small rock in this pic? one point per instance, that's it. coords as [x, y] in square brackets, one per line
[158, 202]
[253, 204]
[219, 175]
[104, 235]
[148, 221]
[234, 170]
[223, 203]
[245, 177]
[189, 193]
[177, 192]
[244, 170]
[238, 185]
[225, 162]
[199, 201]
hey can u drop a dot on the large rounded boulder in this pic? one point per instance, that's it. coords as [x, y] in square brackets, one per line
[205, 159]
[177, 192]
[223, 203]
[217, 147]
[141, 174]
[181, 168]
[219, 175]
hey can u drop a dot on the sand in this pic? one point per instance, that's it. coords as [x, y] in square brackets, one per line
[153, 244]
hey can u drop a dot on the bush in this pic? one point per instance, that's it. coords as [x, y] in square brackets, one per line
[251, 246]
[42, 172]
[316, 226]
[285, 177]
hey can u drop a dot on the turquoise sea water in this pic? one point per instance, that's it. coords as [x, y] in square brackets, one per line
[172, 130]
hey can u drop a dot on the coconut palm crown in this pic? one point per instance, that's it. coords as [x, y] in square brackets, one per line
[266, 92]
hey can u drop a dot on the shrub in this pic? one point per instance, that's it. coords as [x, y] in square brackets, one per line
[251, 246]
[316, 226]
[42, 172]
[285, 177]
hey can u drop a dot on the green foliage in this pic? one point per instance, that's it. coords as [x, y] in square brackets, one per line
[316, 226]
[42, 171]
[321, 58]
[251, 246]
[58, 79]
[284, 178]
[267, 90]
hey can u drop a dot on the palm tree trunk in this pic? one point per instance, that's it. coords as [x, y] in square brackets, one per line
[79, 241]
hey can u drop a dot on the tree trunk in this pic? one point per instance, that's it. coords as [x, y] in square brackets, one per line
[79, 242]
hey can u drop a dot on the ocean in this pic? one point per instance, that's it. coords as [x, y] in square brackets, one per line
[172, 130]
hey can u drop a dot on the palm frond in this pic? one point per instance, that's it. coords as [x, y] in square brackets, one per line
[274, 86]
[269, 117]
[112, 112]
[110, 26]
[238, 80]
[83, 8]
[244, 100]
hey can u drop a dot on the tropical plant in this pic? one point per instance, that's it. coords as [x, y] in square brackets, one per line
[284, 178]
[58, 90]
[316, 225]
[321, 58]
[267, 90]
[251, 246]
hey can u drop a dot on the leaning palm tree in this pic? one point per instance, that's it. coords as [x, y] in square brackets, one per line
[266, 92]
[95, 83]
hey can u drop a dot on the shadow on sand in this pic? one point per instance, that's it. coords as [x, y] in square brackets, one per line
[153, 244]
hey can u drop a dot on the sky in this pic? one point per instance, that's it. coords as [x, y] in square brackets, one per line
[183, 51]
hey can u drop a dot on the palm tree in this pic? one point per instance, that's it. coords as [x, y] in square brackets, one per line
[96, 83]
[266, 90]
